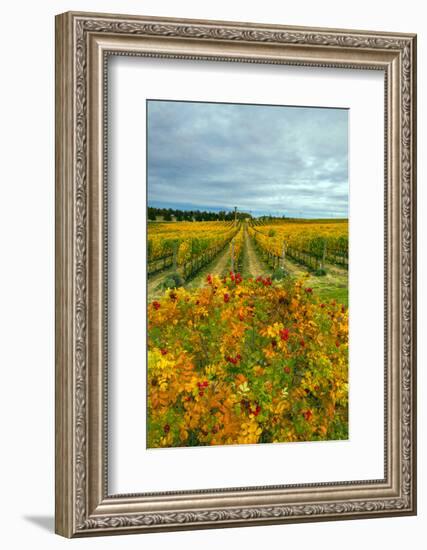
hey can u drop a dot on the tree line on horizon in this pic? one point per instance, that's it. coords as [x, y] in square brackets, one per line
[174, 214]
[171, 214]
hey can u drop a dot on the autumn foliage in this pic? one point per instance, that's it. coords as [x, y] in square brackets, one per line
[246, 361]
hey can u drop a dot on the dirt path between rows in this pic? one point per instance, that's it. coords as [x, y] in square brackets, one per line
[297, 270]
[219, 266]
[333, 285]
[155, 281]
[252, 265]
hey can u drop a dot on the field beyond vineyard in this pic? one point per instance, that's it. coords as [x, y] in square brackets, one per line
[247, 332]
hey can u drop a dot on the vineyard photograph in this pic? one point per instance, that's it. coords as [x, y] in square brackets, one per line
[247, 274]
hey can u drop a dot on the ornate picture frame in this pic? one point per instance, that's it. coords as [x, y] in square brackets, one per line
[84, 42]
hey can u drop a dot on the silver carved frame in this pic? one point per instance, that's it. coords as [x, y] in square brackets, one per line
[83, 43]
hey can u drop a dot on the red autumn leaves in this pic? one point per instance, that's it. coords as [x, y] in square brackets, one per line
[237, 278]
[234, 277]
[266, 282]
[307, 415]
[247, 405]
[233, 360]
[202, 386]
[284, 334]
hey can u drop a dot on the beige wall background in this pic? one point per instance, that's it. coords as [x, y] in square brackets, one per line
[27, 273]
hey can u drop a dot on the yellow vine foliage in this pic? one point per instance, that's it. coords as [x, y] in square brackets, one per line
[188, 237]
[272, 236]
[246, 361]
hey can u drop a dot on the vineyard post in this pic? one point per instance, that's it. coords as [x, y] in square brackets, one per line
[324, 255]
[175, 255]
[232, 256]
[283, 254]
[192, 258]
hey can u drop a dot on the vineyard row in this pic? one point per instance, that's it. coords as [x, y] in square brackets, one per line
[188, 268]
[311, 253]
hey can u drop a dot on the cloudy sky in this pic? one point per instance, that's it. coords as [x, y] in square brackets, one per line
[264, 159]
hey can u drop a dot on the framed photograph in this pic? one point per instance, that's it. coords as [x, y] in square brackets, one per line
[235, 274]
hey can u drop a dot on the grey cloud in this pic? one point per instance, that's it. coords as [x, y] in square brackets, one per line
[266, 159]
